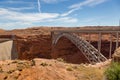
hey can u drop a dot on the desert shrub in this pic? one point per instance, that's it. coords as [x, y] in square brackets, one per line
[113, 71]
[60, 59]
[32, 63]
[44, 64]
[69, 69]
[1, 70]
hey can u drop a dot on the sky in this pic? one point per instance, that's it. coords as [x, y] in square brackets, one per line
[17, 14]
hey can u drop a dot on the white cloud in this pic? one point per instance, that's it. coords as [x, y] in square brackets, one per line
[78, 6]
[53, 1]
[21, 8]
[12, 25]
[87, 3]
[22, 5]
[49, 1]
[68, 20]
[93, 19]
[12, 15]
[69, 12]
[15, 2]
[64, 20]
[10, 18]
[97, 2]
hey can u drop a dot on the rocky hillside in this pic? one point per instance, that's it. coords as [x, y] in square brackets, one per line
[43, 69]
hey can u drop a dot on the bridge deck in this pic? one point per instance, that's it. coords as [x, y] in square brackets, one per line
[87, 31]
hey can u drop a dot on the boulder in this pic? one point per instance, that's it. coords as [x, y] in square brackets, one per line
[116, 55]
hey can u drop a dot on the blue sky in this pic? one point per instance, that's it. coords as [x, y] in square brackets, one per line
[16, 14]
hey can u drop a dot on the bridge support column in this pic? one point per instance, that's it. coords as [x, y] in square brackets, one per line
[52, 45]
[52, 37]
[110, 55]
[89, 37]
[53, 54]
[117, 35]
[99, 42]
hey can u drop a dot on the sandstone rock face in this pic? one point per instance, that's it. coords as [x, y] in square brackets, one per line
[1, 30]
[36, 43]
[37, 46]
[116, 55]
[66, 50]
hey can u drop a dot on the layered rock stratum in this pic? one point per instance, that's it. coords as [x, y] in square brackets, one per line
[36, 42]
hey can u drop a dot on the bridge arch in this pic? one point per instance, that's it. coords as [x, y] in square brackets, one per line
[91, 53]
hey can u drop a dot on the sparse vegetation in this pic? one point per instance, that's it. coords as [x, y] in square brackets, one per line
[113, 72]
[66, 71]
[60, 59]
[75, 67]
[1, 70]
[14, 61]
[69, 69]
[33, 63]
[44, 64]
[9, 72]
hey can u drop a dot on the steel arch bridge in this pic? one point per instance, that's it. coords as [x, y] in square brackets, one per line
[90, 52]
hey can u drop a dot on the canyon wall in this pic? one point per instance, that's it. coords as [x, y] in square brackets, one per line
[39, 46]
[36, 43]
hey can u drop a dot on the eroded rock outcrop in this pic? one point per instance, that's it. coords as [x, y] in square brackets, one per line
[116, 55]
